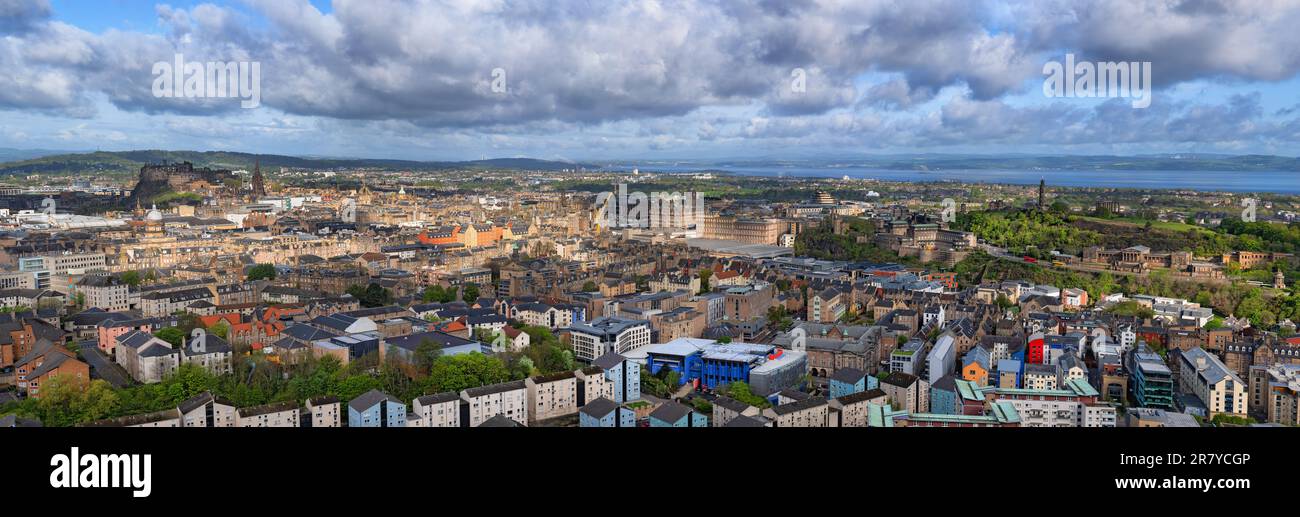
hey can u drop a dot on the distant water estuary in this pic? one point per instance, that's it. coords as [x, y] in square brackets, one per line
[1280, 182]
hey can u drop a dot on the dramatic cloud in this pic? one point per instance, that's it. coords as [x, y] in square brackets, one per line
[670, 74]
[1184, 39]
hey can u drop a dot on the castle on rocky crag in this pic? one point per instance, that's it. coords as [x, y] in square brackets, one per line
[156, 179]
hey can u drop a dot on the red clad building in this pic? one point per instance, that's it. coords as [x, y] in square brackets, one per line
[1035, 350]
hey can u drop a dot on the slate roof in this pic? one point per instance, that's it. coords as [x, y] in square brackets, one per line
[368, 400]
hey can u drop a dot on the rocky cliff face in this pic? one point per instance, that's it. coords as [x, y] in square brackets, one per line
[156, 179]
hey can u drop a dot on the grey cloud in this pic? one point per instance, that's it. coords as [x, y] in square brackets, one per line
[588, 62]
[19, 16]
[657, 70]
[1183, 39]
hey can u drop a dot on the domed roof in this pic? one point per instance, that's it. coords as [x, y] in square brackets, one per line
[154, 214]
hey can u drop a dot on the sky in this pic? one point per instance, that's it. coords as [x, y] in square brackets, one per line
[671, 79]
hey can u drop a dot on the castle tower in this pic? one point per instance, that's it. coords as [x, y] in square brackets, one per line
[259, 184]
[1279, 281]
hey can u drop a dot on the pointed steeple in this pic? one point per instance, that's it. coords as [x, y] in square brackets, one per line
[259, 184]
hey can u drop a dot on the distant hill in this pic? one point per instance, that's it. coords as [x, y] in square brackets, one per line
[24, 162]
[1084, 163]
[935, 162]
[129, 162]
[13, 155]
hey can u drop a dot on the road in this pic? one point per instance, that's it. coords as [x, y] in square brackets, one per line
[105, 368]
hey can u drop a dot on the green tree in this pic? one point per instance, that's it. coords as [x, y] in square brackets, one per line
[589, 286]
[262, 272]
[740, 391]
[131, 278]
[1131, 308]
[653, 385]
[524, 367]
[372, 295]
[1004, 302]
[220, 329]
[66, 400]
[705, 275]
[353, 386]
[462, 371]
[426, 353]
[171, 335]
[433, 293]
[469, 293]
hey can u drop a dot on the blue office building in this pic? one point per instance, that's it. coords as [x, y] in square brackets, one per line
[710, 364]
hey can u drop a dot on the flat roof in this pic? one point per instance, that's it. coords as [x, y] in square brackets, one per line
[737, 248]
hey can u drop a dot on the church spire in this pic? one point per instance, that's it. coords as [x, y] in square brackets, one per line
[259, 184]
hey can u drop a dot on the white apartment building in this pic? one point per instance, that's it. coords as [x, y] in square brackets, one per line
[551, 396]
[438, 410]
[325, 411]
[1041, 377]
[606, 335]
[105, 292]
[507, 398]
[279, 414]
[1203, 375]
[206, 410]
[1099, 416]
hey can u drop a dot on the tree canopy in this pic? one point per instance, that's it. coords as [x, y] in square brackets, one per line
[262, 272]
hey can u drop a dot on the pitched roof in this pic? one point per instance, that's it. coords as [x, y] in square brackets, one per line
[598, 408]
[368, 400]
[609, 360]
[438, 398]
[848, 375]
[801, 405]
[500, 420]
[50, 363]
[746, 421]
[670, 412]
[495, 388]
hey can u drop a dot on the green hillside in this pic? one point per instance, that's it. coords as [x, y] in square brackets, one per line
[129, 162]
